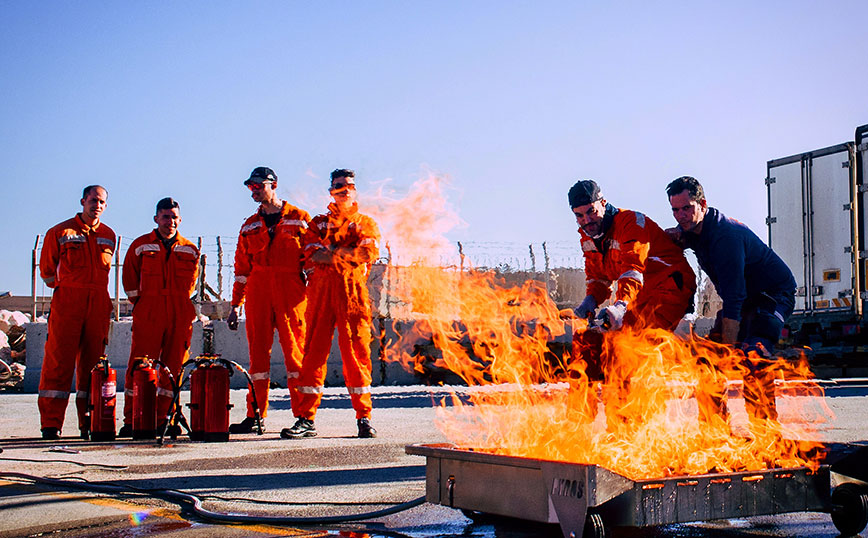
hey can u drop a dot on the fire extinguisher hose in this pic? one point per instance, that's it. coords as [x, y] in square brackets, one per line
[195, 503]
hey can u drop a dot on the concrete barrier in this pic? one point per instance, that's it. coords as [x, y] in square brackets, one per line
[228, 344]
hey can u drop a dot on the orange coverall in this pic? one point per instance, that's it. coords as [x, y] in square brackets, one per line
[75, 261]
[652, 273]
[338, 297]
[159, 283]
[268, 274]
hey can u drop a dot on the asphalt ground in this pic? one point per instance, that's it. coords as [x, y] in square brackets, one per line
[333, 473]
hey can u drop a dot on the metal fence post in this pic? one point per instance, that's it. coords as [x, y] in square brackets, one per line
[118, 279]
[219, 269]
[34, 275]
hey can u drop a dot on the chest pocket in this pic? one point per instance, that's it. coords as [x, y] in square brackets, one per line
[151, 263]
[185, 267]
[257, 239]
[152, 271]
[73, 254]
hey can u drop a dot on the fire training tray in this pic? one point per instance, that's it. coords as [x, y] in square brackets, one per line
[569, 493]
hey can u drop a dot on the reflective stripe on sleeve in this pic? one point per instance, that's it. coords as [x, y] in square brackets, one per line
[294, 222]
[614, 245]
[105, 241]
[165, 392]
[640, 220]
[314, 246]
[658, 260]
[241, 279]
[82, 394]
[634, 274]
[49, 280]
[133, 293]
[310, 390]
[260, 376]
[589, 246]
[292, 375]
[53, 394]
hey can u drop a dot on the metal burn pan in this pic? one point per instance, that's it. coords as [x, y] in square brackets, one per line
[582, 497]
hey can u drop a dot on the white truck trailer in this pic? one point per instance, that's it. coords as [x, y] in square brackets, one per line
[817, 225]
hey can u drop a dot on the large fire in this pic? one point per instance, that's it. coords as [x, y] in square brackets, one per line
[649, 419]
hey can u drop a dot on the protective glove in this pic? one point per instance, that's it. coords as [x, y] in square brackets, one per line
[232, 320]
[587, 309]
[613, 315]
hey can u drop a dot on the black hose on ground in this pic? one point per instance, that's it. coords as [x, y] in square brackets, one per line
[195, 503]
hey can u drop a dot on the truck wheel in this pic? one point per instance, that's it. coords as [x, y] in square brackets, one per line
[849, 509]
[594, 527]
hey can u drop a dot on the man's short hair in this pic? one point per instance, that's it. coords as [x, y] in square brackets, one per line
[342, 172]
[90, 188]
[167, 203]
[689, 184]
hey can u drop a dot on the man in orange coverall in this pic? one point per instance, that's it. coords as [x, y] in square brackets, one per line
[340, 248]
[75, 261]
[655, 282]
[268, 275]
[160, 271]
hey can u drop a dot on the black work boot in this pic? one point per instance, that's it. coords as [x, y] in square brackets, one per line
[51, 434]
[366, 431]
[125, 431]
[248, 425]
[303, 427]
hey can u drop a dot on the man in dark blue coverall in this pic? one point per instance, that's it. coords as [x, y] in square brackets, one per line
[756, 286]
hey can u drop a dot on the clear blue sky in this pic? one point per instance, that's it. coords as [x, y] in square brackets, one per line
[513, 100]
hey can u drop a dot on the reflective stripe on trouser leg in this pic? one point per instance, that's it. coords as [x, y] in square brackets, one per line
[320, 325]
[52, 403]
[260, 327]
[77, 329]
[174, 352]
[93, 344]
[291, 332]
[354, 339]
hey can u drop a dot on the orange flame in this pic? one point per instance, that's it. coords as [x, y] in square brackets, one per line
[662, 392]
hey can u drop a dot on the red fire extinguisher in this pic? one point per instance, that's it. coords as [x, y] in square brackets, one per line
[103, 399]
[197, 403]
[209, 400]
[144, 399]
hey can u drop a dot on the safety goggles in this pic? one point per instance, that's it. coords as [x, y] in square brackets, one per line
[341, 187]
[256, 187]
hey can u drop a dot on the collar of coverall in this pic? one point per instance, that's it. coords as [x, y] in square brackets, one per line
[284, 207]
[608, 216]
[85, 226]
[335, 209]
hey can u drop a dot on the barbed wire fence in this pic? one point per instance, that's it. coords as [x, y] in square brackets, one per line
[556, 265]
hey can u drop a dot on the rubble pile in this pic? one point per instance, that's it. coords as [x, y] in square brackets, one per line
[12, 349]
